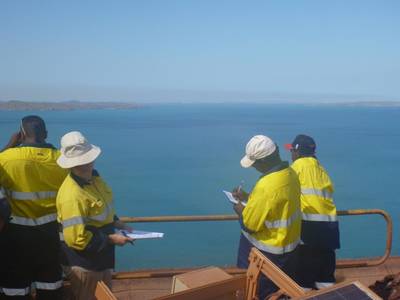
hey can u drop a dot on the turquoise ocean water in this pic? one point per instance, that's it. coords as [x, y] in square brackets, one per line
[176, 159]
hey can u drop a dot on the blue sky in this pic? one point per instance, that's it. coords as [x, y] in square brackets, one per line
[200, 50]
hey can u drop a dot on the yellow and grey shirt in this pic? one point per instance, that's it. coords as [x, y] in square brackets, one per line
[31, 178]
[86, 212]
[272, 216]
[320, 226]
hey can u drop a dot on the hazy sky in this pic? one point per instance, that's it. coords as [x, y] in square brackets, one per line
[199, 50]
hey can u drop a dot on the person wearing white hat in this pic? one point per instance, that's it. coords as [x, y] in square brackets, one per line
[271, 218]
[85, 211]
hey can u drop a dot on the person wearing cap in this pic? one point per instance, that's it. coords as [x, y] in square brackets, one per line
[30, 243]
[320, 228]
[271, 219]
[86, 212]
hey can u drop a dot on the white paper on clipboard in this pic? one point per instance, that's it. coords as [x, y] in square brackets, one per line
[232, 199]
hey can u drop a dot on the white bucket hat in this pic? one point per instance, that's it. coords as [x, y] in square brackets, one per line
[76, 151]
[258, 147]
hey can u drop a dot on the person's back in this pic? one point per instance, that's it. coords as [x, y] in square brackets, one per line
[274, 201]
[271, 219]
[320, 229]
[31, 178]
[317, 190]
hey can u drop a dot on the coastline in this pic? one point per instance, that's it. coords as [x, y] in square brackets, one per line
[14, 105]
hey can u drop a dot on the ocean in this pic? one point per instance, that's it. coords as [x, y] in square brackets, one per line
[176, 159]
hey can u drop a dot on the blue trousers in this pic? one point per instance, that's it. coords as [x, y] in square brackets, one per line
[316, 266]
[286, 262]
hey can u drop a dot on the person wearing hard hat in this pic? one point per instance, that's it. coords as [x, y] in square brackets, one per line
[271, 218]
[86, 212]
[30, 243]
[320, 227]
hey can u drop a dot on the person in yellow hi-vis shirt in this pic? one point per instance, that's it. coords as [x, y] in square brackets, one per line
[320, 227]
[271, 219]
[30, 242]
[86, 212]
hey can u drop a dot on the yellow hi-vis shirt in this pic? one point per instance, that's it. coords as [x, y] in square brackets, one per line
[31, 178]
[272, 213]
[80, 207]
[316, 190]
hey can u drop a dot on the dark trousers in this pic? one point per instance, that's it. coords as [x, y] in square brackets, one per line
[286, 262]
[316, 268]
[30, 255]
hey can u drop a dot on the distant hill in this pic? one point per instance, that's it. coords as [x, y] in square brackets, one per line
[67, 105]
[368, 104]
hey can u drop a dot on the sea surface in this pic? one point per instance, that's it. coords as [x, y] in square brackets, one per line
[176, 160]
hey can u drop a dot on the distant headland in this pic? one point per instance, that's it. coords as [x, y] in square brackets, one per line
[371, 104]
[66, 105]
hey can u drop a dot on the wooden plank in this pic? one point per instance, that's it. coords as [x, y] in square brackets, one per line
[155, 273]
[103, 292]
[141, 295]
[142, 284]
[210, 291]
[258, 262]
[151, 287]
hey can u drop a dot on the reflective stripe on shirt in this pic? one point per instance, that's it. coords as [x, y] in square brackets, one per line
[73, 221]
[284, 223]
[271, 249]
[316, 192]
[318, 217]
[49, 285]
[84, 220]
[103, 216]
[15, 292]
[32, 221]
[33, 195]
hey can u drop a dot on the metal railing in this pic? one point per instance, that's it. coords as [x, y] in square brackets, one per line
[345, 263]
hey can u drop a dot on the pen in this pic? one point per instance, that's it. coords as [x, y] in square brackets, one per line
[124, 233]
[240, 186]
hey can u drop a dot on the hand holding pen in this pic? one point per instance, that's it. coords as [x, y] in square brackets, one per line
[239, 193]
[126, 235]
[119, 239]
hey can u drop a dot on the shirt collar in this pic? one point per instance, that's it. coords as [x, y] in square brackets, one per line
[280, 166]
[82, 181]
[38, 145]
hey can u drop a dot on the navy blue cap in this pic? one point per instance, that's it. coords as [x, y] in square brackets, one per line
[304, 144]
